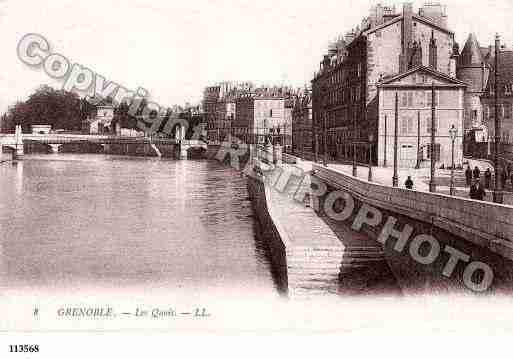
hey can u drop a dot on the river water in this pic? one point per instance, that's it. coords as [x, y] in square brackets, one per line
[75, 221]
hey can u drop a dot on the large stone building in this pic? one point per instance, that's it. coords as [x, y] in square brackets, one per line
[387, 44]
[260, 112]
[219, 103]
[414, 90]
[505, 97]
[476, 66]
[473, 68]
[302, 139]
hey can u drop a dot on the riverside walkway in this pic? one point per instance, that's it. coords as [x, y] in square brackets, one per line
[420, 177]
[322, 257]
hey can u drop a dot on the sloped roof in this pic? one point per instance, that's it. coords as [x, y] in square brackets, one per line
[417, 17]
[425, 69]
[471, 53]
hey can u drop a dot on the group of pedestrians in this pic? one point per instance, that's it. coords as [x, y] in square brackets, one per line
[473, 177]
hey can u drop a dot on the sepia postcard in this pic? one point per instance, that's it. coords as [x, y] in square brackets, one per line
[272, 166]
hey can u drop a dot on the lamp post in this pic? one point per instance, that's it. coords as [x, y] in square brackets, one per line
[355, 168]
[497, 191]
[385, 145]
[316, 147]
[432, 183]
[325, 157]
[417, 166]
[395, 178]
[371, 138]
[453, 133]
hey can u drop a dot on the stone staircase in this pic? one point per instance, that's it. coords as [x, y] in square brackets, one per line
[313, 271]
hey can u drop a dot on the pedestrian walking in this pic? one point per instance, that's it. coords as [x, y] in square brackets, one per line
[477, 191]
[408, 183]
[468, 176]
[477, 173]
[504, 178]
[488, 178]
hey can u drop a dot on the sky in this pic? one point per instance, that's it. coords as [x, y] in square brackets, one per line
[174, 49]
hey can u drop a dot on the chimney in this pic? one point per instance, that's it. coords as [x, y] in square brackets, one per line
[376, 15]
[433, 52]
[407, 37]
[416, 57]
[326, 61]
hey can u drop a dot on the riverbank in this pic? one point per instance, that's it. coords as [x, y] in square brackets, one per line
[311, 254]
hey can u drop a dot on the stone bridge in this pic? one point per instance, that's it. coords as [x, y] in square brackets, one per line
[16, 141]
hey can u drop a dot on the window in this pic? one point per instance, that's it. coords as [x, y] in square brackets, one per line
[507, 111]
[404, 99]
[429, 97]
[404, 126]
[407, 99]
[270, 113]
[407, 124]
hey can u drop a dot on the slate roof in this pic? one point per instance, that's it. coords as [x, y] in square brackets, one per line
[428, 70]
[472, 53]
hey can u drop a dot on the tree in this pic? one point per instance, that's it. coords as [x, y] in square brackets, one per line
[47, 106]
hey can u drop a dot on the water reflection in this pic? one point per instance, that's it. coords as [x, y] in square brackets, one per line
[76, 220]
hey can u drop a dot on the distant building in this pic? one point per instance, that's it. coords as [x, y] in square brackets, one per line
[219, 106]
[41, 129]
[302, 139]
[505, 97]
[101, 120]
[473, 68]
[262, 112]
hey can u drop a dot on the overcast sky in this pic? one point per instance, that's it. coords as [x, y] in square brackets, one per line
[175, 48]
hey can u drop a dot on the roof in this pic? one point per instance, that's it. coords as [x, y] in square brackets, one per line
[440, 75]
[472, 53]
[401, 17]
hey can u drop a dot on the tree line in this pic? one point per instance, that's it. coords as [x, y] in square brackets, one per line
[65, 110]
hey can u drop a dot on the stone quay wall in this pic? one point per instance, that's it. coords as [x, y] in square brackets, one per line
[270, 230]
[482, 230]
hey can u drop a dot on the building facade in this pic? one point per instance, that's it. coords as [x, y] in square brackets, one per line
[302, 135]
[414, 91]
[388, 43]
[505, 97]
[474, 69]
[219, 104]
[261, 112]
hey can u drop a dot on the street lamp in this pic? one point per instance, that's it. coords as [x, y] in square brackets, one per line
[355, 167]
[371, 138]
[497, 191]
[325, 142]
[453, 133]
[395, 177]
[432, 181]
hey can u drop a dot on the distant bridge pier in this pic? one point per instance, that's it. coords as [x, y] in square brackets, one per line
[181, 151]
[18, 152]
[55, 147]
